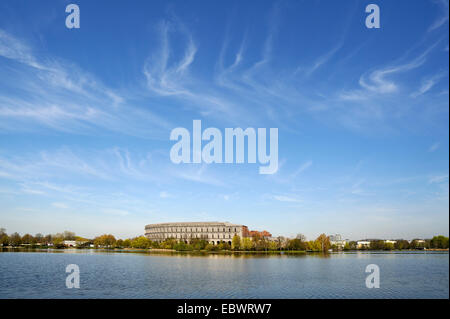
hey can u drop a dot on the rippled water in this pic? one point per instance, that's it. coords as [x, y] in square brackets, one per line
[130, 275]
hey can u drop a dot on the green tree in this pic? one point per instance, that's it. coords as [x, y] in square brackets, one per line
[198, 244]
[119, 243]
[4, 239]
[141, 242]
[440, 242]
[297, 244]
[236, 242]
[168, 243]
[273, 245]
[246, 243]
[377, 245]
[58, 240]
[182, 246]
[417, 244]
[106, 240]
[352, 244]
[15, 239]
[126, 243]
[211, 247]
[314, 245]
[401, 244]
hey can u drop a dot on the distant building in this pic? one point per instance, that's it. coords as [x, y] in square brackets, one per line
[262, 234]
[387, 241]
[336, 237]
[213, 232]
[337, 241]
[363, 244]
[70, 243]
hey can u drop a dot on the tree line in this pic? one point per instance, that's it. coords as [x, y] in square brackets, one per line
[257, 243]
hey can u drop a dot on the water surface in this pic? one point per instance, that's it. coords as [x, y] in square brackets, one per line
[134, 275]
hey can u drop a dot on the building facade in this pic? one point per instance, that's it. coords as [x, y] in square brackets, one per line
[337, 241]
[213, 232]
[363, 244]
[261, 234]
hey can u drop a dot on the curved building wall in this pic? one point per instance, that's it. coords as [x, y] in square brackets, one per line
[213, 232]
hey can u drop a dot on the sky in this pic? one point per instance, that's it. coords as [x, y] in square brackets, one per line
[362, 115]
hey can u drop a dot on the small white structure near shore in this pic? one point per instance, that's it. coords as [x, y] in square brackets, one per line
[70, 243]
[363, 243]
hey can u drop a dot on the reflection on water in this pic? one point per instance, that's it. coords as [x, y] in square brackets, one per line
[121, 274]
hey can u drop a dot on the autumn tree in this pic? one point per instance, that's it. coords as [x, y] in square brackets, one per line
[236, 243]
[27, 239]
[39, 238]
[324, 242]
[246, 243]
[4, 239]
[15, 239]
[106, 240]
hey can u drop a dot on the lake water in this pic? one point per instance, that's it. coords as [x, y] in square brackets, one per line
[134, 275]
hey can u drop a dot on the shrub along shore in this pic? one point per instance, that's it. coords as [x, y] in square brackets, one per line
[238, 245]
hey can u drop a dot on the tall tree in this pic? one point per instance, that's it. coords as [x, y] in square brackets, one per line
[324, 242]
[15, 239]
[27, 239]
[236, 242]
[4, 239]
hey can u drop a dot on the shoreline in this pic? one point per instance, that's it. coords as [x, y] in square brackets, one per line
[169, 252]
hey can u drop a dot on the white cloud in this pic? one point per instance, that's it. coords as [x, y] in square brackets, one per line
[440, 21]
[438, 179]
[116, 212]
[377, 80]
[302, 168]
[59, 205]
[427, 84]
[164, 195]
[284, 198]
[60, 95]
[434, 147]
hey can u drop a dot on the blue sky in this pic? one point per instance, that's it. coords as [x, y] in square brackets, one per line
[362, 114]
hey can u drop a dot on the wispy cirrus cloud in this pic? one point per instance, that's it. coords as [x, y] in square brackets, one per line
[438, 179]
[286, 198]
[174, 79]
[322, 60]
[434, 147]
[302, 168]
[443, 18]
[427, 84]
[378, 82]
[59, 95]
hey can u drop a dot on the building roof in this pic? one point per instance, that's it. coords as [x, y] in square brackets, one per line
[190, 224]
